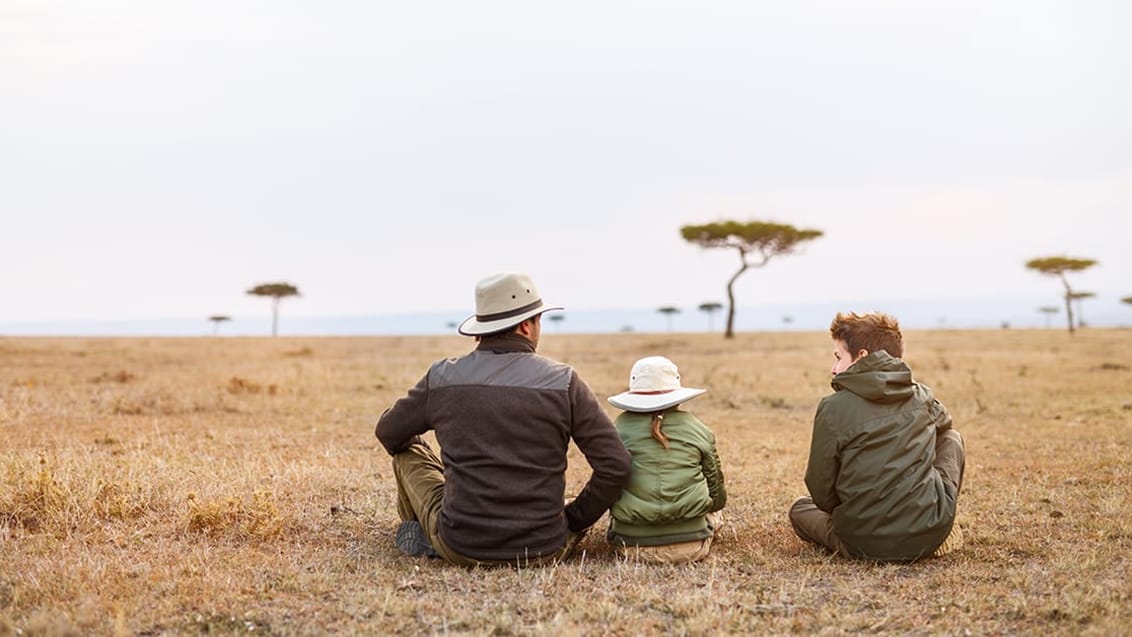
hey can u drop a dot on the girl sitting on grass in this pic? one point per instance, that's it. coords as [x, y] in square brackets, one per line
[669, 512]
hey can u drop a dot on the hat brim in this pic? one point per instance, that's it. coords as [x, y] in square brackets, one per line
[473, 327]
[654, 402]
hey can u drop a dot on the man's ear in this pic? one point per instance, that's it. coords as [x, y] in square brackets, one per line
[861, 353]
[526, 328]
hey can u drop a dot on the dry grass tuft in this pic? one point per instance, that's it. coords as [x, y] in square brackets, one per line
[34, 500]
[114, 501]
[257, 518]
[237, 385]
[119, 377]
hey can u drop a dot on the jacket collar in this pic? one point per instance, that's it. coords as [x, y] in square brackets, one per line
[505, 343]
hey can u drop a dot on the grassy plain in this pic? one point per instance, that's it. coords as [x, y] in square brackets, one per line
[234, 486]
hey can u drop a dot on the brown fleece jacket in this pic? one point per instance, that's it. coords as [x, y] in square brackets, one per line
[504, 417]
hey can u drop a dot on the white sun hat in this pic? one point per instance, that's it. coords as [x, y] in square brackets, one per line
[502, 301]
[654, 385]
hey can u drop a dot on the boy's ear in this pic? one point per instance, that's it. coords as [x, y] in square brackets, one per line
[861, 353]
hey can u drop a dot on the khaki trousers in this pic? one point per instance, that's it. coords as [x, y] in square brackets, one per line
[814, 525]
[678, 553]
[420, 494]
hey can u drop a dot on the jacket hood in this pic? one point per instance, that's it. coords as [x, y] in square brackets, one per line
[878, 377]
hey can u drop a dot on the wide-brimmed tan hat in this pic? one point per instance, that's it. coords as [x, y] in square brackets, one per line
[654, 385]
[503, 301]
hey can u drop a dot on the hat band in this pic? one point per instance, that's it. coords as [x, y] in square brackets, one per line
[652, 393]
[485, 318]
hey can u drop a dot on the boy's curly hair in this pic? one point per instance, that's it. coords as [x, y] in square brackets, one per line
[872, 332]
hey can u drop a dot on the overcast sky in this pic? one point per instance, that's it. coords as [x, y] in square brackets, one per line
[158, 158]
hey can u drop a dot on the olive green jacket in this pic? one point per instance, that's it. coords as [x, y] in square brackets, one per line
[871, 462]
[670, 490]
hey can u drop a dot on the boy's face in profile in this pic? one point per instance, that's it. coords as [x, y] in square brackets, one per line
[842, 357]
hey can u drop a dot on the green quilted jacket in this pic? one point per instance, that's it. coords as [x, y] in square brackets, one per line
[670, 490]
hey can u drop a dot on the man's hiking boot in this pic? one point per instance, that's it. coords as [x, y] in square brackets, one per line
[411, 540]
[953, 542]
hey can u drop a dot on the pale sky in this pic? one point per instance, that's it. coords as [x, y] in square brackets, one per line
[158, 158]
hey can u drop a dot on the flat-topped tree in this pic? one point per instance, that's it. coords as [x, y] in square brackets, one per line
[756, 241]
[1049, 310]
[557, 320]
[1078, 297]
[217, 319]
[1058, 266]
[668, 311]
[277, 292]
[710, 308]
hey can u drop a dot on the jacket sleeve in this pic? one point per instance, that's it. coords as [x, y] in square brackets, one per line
[713, 473]
[400, 424]
[824, 463]
[598, 441]
[940, 416]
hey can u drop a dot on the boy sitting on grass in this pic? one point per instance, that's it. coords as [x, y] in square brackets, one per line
[885, 464]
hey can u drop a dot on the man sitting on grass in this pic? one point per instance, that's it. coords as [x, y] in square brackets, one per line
[504, 417]
[885, 464]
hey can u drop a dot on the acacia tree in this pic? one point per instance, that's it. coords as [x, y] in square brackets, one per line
[557, 320]
[1078, 296]
[1058, 266]
[217, 319]
[668, 311]
[710, 308]
[1127, 299]
[756, 241]
[277, 292]
[1048, 310]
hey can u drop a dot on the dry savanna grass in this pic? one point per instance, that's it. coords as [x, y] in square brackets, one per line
[234, 486]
